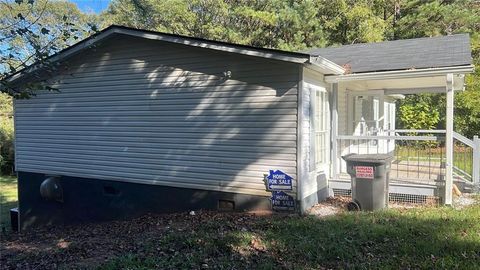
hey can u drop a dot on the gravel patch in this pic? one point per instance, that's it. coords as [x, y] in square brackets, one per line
[335, 205]
[330, 207]
[463, 201]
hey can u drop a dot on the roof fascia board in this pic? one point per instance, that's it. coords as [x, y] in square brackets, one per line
[399, 74]
[299, 58]
[395, 96]
[324, 66]
[408, 91]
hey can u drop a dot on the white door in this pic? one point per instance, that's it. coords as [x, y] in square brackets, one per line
[366, 115]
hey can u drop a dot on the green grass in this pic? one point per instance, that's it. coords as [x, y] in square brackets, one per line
[8, 199]
[425, 238]
[418, 238]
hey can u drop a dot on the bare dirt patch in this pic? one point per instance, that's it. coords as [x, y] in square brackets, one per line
[332, 206]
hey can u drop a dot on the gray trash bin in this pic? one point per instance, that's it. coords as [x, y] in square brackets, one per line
[370, 176]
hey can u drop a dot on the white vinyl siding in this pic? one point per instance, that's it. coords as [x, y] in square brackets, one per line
[156, 113]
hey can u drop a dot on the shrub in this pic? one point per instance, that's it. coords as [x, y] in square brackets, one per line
[6, 135]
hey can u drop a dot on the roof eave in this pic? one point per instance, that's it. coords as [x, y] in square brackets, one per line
[292, 57]
[400, 74]
[324, 65]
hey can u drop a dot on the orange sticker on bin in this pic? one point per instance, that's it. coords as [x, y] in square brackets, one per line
[365, 172]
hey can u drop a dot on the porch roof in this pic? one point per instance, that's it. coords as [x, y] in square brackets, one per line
[407, 54]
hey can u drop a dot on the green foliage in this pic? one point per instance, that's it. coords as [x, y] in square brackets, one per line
[348, 22]
[6, 134]
[467, 103]
[8, 200]
[416, 112]
[433, 18]
[30, 31]
[273, 24]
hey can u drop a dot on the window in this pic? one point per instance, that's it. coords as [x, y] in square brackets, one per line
[320, 130]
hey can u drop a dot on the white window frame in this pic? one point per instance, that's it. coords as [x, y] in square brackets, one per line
[320, 130]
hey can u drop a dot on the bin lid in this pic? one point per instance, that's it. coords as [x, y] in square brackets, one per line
[369, 158]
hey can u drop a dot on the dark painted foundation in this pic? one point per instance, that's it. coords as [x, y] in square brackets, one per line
[90, 200]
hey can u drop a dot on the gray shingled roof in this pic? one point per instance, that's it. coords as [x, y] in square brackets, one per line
[444, 51]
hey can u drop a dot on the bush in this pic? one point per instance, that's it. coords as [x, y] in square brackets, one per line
[6, 145]
[6, 136]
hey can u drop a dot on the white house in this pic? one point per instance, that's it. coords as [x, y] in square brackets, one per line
[145, 121]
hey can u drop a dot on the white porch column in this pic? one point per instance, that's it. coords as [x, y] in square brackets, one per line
[334, 157]
[447, 199]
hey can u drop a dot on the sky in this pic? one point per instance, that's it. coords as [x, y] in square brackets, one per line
[96, 6]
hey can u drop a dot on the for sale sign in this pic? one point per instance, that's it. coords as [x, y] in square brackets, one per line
[365, 172]
[278, 180]
[282, 201]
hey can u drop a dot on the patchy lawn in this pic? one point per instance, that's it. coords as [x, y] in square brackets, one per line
[8, 200]
[398, 238]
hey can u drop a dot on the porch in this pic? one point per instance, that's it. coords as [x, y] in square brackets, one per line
[427, 164]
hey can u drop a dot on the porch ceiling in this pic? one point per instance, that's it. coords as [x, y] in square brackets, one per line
[413, 85]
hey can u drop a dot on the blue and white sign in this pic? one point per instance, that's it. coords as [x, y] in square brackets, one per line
[278, 180]
[282, 201]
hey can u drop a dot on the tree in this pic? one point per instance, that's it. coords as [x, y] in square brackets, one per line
[427, 18]
[467, 103]
[349, 21]
[272, 24]
[417, 112]
[32, 30]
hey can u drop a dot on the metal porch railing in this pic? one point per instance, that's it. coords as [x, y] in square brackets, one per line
[417, 159]
[466, 159]
[419, 155]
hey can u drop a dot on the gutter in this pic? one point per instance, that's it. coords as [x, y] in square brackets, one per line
[324, 65]
[399, 74]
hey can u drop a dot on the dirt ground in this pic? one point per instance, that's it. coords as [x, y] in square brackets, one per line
[87, 245]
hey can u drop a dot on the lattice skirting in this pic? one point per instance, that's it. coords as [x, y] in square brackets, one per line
[397, 197]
